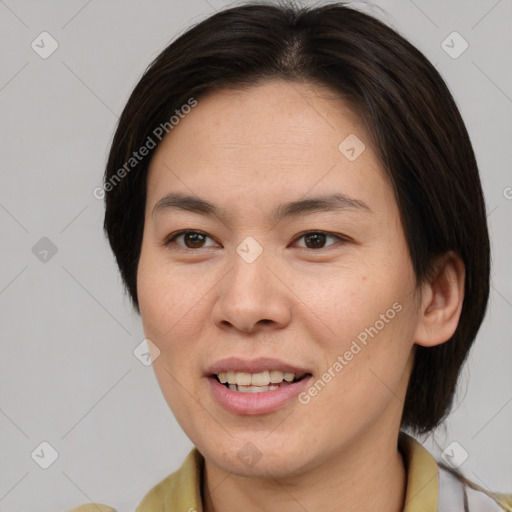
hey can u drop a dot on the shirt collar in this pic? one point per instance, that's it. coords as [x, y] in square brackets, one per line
[422, 476]
[182, 490]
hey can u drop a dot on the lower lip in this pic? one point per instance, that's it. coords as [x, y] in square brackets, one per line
[256, 403]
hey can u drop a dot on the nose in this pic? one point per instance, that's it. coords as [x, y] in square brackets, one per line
[252, 296]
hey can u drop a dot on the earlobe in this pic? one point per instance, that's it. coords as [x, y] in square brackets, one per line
[442, 299]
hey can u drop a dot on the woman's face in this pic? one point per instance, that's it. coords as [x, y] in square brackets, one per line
[324, 287]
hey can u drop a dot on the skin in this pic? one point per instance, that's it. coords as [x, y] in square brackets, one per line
[248, 151]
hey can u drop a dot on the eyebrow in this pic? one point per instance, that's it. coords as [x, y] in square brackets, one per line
[332, 202]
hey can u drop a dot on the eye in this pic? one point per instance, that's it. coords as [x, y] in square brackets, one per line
[192, 239]
[316, 239]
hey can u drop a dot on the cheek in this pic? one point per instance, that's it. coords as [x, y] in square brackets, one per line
[370, 356]
[366, 336]
[167, 304]
[171, 306]
[166, 299]
[351, 298]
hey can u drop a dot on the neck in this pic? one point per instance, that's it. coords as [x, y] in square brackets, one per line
[369, 474]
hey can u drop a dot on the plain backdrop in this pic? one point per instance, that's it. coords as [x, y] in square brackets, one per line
[68, 374]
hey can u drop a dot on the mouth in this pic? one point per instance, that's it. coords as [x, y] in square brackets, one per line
[260, 382]
[260, 393]
[256, 386]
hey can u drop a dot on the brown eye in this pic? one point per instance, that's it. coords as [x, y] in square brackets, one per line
[191, 239]
[317, 239]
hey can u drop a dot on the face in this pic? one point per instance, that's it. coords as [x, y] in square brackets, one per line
[275, 276]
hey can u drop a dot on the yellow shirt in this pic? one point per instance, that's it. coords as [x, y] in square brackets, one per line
[181, 491]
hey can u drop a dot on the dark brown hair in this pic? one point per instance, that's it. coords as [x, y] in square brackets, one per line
[410, 115]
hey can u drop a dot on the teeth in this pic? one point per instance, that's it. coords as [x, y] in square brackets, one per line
[259, 379]
[243, 379]
[256, 389]
[276, 376]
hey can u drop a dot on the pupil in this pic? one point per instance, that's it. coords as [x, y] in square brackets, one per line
[318, 239]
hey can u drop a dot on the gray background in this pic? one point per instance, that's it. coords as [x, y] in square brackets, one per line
[68, 374]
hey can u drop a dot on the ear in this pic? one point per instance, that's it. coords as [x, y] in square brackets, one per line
[441, 301]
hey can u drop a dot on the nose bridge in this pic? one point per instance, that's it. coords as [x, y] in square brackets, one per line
[248, 278]
[249, 293]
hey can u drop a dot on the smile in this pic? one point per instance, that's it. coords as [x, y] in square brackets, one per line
[256, 400]
[269, 380]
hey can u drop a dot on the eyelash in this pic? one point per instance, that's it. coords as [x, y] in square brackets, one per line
[174, 236]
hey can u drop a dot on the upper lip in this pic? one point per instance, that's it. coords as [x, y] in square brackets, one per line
[261, 364]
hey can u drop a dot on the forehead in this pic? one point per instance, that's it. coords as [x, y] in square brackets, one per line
[261, 143]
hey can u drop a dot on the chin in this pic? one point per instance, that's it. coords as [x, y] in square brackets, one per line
[261, 457]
